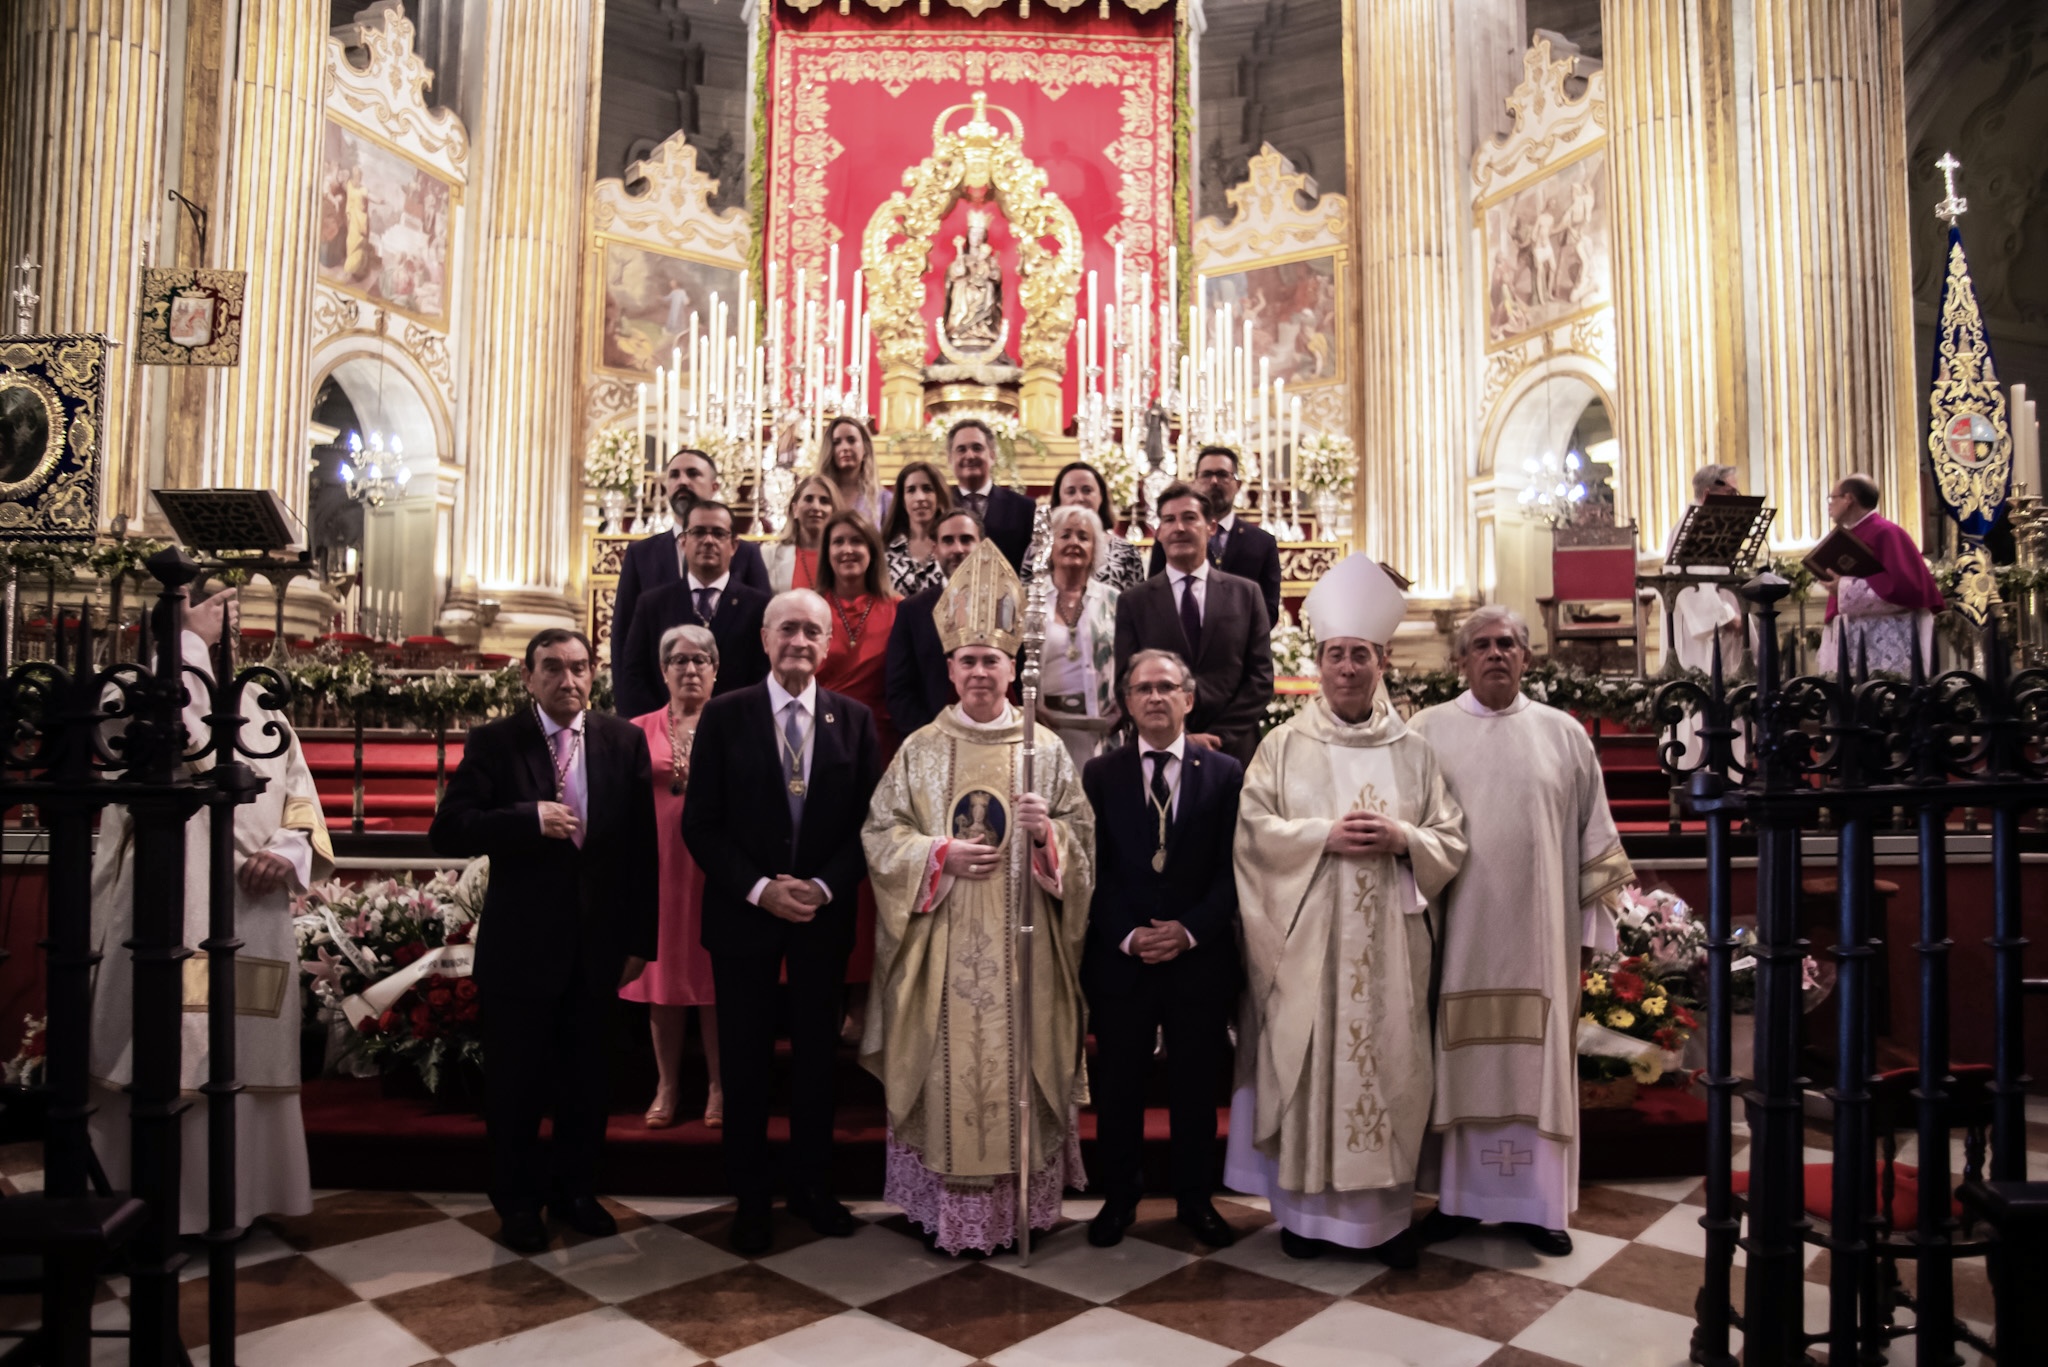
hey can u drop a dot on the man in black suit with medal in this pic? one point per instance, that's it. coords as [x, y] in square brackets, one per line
[562, 801]
[1162, 945]
[710, 596]
[1006, 516]
[918, 686]
[656, 561]
[1235, 546]
[780, 779]
[1213, 620]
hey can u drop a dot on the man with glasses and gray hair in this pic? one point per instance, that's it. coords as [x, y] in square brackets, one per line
[709, 595]
[1162, 946]
[1534, 899]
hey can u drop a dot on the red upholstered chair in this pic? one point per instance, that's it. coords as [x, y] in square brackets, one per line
[1595, 564]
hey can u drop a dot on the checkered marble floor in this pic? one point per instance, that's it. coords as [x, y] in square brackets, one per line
[392, 1278]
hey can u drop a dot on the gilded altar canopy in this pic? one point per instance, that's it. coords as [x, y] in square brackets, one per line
[982, 604]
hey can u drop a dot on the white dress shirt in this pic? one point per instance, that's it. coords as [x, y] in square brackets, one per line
[1176, 752]
[779, 699]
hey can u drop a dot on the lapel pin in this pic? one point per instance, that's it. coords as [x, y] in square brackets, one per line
[828, 719]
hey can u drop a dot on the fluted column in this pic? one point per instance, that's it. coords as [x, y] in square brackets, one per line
[267, 224]
[522, 388]
[1834, 306]
[81, 180]
[1680, 399]
[1413, 405]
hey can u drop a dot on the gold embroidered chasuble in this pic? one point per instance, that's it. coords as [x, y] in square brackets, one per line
[1335, 1032]
[1545, 856]
[942, 1018]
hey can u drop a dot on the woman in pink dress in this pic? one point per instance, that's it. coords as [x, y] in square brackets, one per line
[681, 976]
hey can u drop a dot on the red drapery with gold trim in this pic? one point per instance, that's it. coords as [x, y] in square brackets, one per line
[851, 101]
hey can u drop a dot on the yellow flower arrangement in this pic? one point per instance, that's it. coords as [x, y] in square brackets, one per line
[1653, 1006]
[1596, 984]
[1621, 1018]
[1647, 1069]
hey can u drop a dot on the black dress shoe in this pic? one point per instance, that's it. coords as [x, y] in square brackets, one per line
[584, 1215]
[753, 1232]
[1301, 1246]
[523, 1231]
[1437, 1227]
[1201, 1219]
[1401, 1252]
[1551, 1243]
[1106, 1230]
[824, 1213]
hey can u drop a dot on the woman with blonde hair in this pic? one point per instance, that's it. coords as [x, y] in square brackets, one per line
[848, 460]
[1078, 697]
[793, 557]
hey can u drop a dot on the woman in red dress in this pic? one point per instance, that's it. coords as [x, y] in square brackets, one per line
[853, 577]
[680, 977]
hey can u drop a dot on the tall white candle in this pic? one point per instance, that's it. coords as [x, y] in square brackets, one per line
[640, 423]
[663, 450]
[1094, 327]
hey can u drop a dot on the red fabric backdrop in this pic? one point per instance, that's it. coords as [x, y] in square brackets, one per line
[851, 103]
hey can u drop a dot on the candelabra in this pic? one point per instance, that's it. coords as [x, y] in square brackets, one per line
[1553, 489]
[369, 480]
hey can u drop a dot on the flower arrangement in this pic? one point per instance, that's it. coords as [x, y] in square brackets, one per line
[1623, 994]
[1325, 464]
[25, 1069]
[353, 686]
[1658, 928]
[1009, 431]
[613, 462]
[390, 958]
[1294, 657]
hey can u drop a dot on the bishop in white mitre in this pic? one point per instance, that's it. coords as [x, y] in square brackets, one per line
[1345, 833]
[1536, 893]
[281, 848]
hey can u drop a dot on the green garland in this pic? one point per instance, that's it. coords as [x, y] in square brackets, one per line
[60, 562]
[350, 689]
[1183, 180]
[757, 165]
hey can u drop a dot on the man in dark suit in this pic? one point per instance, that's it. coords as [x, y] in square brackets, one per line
[779, 785]
[707, 596]
[917, 685]
[562, 800]
[656, 561]
[1162, 945]
[1213, 619]
[1006, 515]
[1236, 546]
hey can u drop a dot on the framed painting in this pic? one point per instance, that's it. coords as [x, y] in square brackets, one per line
[1296, 308]
[386, 225]
[644, 301]
[1546, 243]
[50, 452]
[190, 316]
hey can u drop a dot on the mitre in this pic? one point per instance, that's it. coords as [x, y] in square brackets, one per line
[1355, 599]
[982, 603]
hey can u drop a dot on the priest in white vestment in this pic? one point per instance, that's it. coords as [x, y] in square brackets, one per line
[1536, 894]
[281, 849]
[943, 1016]
[1345, 832]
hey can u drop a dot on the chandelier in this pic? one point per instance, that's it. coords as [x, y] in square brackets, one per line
[1553, 489]
[376, 472]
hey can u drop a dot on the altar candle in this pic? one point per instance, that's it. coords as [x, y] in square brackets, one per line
[1088, 361]
[832, 290]
[1294, 451]
[1143, 351]
[661, 412]
[855, 318]
[1280, 456]
[640, 423]
[1172, 293]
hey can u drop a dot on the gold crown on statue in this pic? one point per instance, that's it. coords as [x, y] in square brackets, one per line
[982, 604]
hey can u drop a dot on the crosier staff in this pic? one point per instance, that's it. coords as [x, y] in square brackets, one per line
[1038, 580]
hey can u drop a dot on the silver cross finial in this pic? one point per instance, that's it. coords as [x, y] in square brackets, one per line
[25, 296]
[1951, 208]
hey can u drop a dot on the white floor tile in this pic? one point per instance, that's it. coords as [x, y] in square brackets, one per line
[873, 1210]
[854, 1339]
[456, 1203]
[1068, 1262]
[348, 1337]
[635, 1262]
[1678, 1229]
[1333, 1274]
[406, 1258]
[1352, 1335]
[607, 1335]
[1592, 1330]
[1671, 1189]
[874, 1263]
[1109, 1338]
[1083, 1210]
[672, 1207]
[1511, 1253]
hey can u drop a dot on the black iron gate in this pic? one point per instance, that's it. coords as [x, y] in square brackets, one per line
[1857, 753]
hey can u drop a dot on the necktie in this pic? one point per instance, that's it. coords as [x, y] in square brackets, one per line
[1216, 543]
[1161, 794]
[707, 603]
[571, 785]
[976, 503]
[1190, 617]
[793, 764]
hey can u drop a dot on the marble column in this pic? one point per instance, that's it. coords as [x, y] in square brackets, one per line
[267, 223]
[1680, 400]
[81, 182]
[1835, 386]
[521, 514]
[1412, 387]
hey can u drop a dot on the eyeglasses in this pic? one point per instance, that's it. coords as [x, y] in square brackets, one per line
[690, 662]
[1155, 690]
[711, 533]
